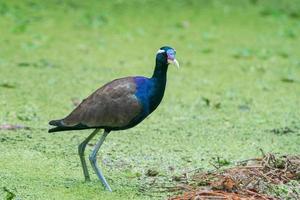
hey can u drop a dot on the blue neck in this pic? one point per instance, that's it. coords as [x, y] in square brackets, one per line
[160, 71]
[159, 79]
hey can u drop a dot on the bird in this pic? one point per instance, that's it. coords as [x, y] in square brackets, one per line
[118, 105]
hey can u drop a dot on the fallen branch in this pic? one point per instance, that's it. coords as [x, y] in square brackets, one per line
[13, 127]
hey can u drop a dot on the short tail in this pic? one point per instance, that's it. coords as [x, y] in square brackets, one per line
[55, 122]
[61, 127]
[57, 129]
[58, 124]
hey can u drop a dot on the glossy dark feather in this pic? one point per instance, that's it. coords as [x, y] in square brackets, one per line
[112, 106]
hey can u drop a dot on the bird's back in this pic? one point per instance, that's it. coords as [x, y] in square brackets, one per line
[113, 106]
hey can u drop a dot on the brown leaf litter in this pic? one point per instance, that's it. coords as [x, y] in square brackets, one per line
[248, 180]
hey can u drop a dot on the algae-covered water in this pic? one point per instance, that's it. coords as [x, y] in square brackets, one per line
[236, 94]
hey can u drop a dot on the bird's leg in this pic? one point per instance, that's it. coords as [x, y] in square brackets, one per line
[93, 159]
[81, 149]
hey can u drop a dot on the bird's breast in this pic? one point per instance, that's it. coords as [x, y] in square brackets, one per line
[149, 93]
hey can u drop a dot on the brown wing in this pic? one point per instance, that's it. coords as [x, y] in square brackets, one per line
[113, 105]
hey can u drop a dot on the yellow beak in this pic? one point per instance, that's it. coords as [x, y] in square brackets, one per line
[175, 62]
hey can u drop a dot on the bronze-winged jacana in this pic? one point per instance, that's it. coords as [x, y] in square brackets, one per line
[118, 105]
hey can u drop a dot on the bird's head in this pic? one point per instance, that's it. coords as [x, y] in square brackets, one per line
[166, 55]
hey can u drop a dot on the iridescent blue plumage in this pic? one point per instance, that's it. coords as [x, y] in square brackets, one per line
[150, 91]
[144, 89]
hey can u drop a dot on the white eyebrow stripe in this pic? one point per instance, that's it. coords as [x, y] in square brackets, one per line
[160, 51]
